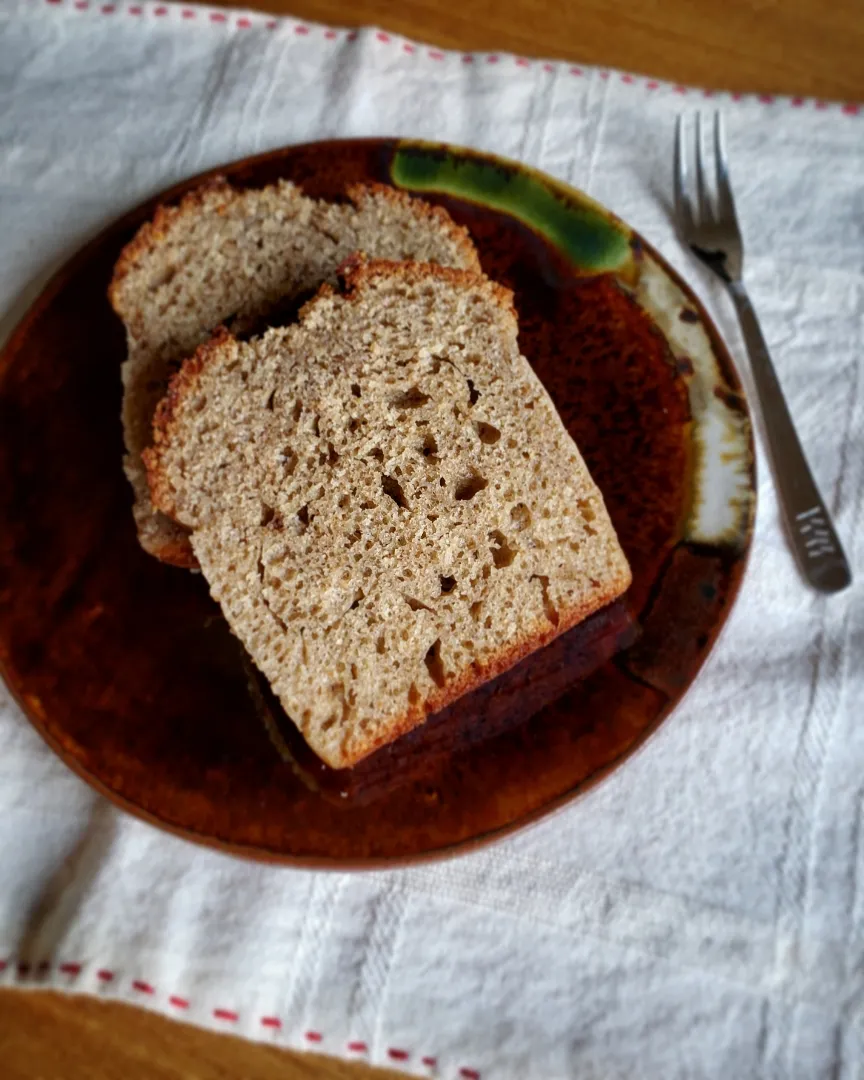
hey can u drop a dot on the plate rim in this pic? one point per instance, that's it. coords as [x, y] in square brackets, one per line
[721, 351]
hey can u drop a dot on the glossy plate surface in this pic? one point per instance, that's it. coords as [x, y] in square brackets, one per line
[127, 669]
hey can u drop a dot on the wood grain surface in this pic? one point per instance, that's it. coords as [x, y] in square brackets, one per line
[808, 47]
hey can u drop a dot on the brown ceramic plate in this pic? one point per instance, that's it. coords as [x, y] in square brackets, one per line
[127, 669]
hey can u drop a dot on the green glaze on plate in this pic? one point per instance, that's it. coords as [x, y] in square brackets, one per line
[591, 237]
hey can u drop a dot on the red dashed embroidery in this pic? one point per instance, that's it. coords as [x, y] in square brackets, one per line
[383, 37]
[226, 1014]
[244, 24]
[797, 102]
[851, 109]
[397, 1054]
[178, 1002]
[522, 62]
[549, 67]
[331, 35]
[301, 30]
[766, 99]
[357, 1047]
[467, 59]
[217, 16]
[576, 71]
[409, 48]
[314, 1036]
[271, 24]
[108, 9]
[271, 1022]
[144, 987]
[652, 85]
[627, 79]
[161, 11]
[492, 59]
[188, 13]
[81, 5]
[680, 89]
[604, 74]
[136, 11]
[431, 1062]
[435, 55]
[469, 1074]
[70, 969]
[105, 976]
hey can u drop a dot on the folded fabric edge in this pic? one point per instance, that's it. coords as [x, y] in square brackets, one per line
[240, 20]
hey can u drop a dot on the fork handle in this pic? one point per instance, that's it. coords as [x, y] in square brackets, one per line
[814, 540]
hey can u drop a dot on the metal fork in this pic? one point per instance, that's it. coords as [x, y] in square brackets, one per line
[709, 226]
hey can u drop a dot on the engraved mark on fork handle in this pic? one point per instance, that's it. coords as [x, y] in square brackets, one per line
[814, 540]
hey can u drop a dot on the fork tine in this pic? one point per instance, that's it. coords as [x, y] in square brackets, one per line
[702, 202]
[725, 202]
[683, 210]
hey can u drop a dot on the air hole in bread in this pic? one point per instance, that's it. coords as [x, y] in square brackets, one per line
[303, 519]
[391, 486]
[469, 486]
[269, 403]
[520, 516]
[473, 392]
[267, 514]
[380, 645]
[332, 456]
[412, 398]
[416, 605]
[413, 694]
[475, 609]
[502, 554]
[429, 449]
[434, 664]
[355, 389]
[297, 411]
[550, 609]
[448, 584]
[487, 433]
[377, 453]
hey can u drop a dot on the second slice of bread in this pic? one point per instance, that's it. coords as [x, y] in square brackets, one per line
[383, 500]
[223, 253]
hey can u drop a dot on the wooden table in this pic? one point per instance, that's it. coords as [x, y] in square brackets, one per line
[807, 47]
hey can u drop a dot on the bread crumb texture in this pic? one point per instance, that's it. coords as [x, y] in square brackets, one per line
[223, 254]
[384, 501]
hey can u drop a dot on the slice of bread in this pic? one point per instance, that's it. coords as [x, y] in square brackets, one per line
[383, 500]
[223, 253]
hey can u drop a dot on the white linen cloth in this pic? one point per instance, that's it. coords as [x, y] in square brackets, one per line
[701, 913]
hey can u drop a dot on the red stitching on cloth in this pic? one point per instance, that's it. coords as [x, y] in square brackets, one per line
[23, 968]
[357, 1047]
[397, 1054]
[271, 1022]
[314, 1036]
[3, 965]
[105, 976]
[70, 969]
[469, 1074]
[178, 1002]
[430, 1061]
[226, 1014]
[847, 109]
[144, 987]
